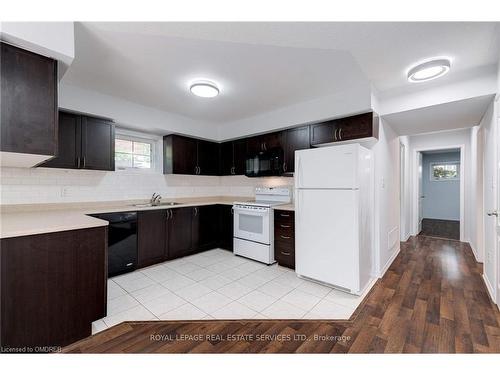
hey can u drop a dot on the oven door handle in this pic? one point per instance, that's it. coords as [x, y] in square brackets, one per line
[249, 211]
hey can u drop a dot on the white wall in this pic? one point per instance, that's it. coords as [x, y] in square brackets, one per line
[386, 155]
[405, 193]
[356, 100]
[489, 125]
[50, 185]
[476, 204]
[52, 39]
[132, 115]
[436, 93]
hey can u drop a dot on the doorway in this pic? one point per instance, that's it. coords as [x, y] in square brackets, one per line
[439, 193]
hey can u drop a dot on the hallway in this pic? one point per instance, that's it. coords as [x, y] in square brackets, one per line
[431, 300]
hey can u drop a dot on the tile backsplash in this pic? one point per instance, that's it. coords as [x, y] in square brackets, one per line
[47, 185]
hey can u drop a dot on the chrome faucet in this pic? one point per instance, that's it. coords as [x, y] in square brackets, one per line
[155, 199]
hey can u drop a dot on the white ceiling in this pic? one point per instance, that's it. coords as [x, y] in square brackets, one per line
[265, 66]
[453, 115]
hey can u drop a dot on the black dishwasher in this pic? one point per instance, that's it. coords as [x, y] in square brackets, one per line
[122, 241]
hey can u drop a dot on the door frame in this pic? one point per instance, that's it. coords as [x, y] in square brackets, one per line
[415, 192]
[403, 233]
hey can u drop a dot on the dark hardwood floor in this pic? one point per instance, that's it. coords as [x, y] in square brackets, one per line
[441, 228]
[431, 300]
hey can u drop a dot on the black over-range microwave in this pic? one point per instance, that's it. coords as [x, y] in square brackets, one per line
[265, 163]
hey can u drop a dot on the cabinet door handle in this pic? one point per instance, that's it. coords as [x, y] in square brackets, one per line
[284, 166]
[340, 133]
[335, 134]
[196, 211]
[83, 162]
[285, 237]
[78, 162]
[284, 226]
[232, 170]
[284, 253]
[285, 215]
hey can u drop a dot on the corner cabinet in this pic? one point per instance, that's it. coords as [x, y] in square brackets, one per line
[85, 142]
[185, 155]
[359, 127]
[29, 102]
[53, 286]
[294, 139]
[205, 228]
[233, 157]
[226, 226]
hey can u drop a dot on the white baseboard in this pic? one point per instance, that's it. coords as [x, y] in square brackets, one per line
[489, 287]
[389, 262]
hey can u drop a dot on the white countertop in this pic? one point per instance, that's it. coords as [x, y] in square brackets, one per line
[30, 219]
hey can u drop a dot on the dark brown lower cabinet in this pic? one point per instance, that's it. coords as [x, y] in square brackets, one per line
[284, 238]
[152, 237]
[179, 232]
[53, 286]
[205, 228]
[226, 226]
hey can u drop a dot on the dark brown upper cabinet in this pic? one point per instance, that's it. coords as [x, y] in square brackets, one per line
[28, 119]
[152, 238]
[294, 139]
[98, 144]
[354, 127]
[233, 156]
[85, 142]
[179, 155]
[185, 155]
[208, 158]
[264, 142]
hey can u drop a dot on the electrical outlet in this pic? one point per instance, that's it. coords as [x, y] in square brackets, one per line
[64, 191]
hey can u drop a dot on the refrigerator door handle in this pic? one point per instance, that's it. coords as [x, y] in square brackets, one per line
[299, 173]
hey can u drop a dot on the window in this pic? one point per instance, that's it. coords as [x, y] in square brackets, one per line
[134, 153]
[445, 171]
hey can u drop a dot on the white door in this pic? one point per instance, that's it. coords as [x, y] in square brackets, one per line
[332, 167]
[421, 196]
[491, 231]
[327, 236]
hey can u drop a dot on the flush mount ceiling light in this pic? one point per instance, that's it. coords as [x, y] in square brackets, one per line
[204, 89]
[429, 70]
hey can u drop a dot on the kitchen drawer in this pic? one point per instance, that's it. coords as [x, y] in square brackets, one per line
[284, 253]
[284, 235]
[284, 217]
[284, 238]
[286, 230]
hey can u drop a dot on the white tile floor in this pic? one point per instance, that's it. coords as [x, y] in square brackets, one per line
[219, 285]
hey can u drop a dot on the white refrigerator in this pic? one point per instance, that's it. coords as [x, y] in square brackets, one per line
[334, 195]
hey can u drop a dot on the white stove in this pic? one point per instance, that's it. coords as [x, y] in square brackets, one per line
[254, 223]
